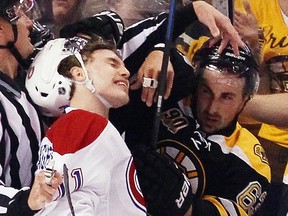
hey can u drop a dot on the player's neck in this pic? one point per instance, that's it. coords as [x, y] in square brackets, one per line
[9, 64]
[89, 102]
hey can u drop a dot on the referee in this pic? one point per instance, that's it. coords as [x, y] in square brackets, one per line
[20, 126]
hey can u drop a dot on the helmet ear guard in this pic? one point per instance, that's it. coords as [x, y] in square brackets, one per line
[244, 65]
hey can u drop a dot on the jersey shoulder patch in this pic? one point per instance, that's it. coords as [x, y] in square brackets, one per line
[75, 130]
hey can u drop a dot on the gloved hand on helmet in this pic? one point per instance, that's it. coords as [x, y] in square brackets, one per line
[104, 24]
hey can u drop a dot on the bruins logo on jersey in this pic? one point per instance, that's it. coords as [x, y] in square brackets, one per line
[186, 161]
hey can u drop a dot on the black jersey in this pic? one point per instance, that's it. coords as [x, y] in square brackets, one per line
[20, 135]
[233, 167]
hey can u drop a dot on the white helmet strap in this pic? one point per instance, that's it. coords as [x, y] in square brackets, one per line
[89, 82]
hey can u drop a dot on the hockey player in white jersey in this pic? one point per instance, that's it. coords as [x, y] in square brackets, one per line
[101, 175]
[98, 169]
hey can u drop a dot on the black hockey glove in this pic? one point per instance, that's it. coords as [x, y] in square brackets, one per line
[19, 205]
[105, 24]
[166, 189]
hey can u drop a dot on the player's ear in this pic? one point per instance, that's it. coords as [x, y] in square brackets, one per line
[77, 74]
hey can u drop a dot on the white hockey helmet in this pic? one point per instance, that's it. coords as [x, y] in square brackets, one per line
[47, 88]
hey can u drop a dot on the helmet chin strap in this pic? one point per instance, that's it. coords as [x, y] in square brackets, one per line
[15, 52]
[89, 82]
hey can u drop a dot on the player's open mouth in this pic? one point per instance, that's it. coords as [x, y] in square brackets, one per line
[122, 83]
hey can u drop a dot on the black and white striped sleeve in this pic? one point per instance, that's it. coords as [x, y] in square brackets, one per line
[14, 202]
[139, 39]
[6, 195]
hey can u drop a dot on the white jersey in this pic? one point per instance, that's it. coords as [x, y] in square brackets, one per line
[102, 175]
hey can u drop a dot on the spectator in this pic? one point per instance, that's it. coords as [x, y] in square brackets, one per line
[132, 11]
[21, 128]
[269, 109]
[56, 14]
[274, 54]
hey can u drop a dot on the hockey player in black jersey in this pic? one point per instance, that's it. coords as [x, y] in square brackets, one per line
[226, 165]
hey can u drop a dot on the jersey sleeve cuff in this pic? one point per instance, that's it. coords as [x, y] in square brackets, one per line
[184, 16]
[19, 205]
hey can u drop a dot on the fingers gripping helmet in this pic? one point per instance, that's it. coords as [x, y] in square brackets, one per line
[245, 64]
[47, 88]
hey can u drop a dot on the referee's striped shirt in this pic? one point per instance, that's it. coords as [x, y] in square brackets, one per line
[139, 39]
[20, 135]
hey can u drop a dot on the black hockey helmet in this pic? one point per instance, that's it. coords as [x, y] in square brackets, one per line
[245, 64]
[106, 24]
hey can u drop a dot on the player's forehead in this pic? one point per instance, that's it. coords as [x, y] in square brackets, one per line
[71, 2]
[222, 81]
[102, 55]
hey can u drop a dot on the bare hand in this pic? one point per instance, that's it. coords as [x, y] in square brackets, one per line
[41, 192]
[151, 68]
[219, 26]
[246, 24]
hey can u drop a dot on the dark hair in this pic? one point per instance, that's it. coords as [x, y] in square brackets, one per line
[244, 65]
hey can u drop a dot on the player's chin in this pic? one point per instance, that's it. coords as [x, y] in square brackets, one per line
[120, 101]
[209, 128]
